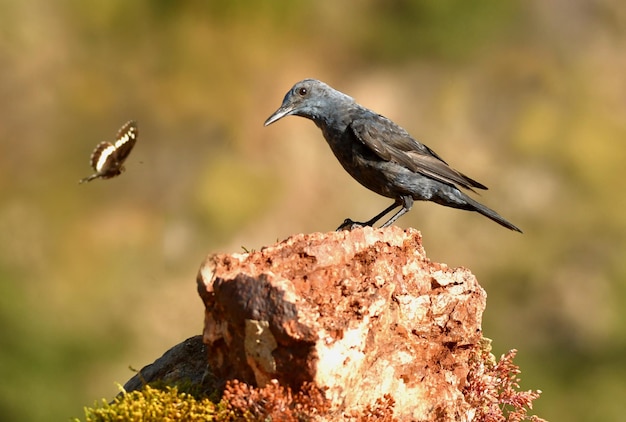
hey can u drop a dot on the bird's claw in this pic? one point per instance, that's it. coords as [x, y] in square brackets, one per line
[350, 225]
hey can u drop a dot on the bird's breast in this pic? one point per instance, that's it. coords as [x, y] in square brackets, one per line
[361, 163]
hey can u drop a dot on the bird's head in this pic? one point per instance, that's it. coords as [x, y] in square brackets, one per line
[308, 98]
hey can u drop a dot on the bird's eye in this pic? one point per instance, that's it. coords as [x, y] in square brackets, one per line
[303, 91]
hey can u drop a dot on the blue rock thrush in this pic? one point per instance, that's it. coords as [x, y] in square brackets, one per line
[381, 155]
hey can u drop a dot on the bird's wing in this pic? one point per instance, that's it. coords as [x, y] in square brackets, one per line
[392, 143]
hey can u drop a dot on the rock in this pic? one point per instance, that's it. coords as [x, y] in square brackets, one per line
[185, 363]
[359, 313]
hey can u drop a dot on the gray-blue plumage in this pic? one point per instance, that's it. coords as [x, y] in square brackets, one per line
[381, 155]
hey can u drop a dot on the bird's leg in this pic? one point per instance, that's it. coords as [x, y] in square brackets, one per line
[348, 224]
[407, 203]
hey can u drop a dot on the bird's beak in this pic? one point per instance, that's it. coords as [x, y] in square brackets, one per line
[279, 114]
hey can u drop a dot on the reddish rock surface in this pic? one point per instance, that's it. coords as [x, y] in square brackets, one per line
[361, 313]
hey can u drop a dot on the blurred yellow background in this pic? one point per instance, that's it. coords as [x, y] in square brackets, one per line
[527, 97]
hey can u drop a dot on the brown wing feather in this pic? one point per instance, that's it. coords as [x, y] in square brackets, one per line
[392, 143]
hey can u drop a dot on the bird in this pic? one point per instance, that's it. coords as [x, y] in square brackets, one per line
[381, 155]
[107, 159]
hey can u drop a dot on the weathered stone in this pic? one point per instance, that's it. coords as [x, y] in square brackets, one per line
[185, 363]
[361, 313]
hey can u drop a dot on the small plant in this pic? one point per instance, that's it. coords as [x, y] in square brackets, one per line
[272, 402]
[492, 389]
[152, 405]
[239, 402]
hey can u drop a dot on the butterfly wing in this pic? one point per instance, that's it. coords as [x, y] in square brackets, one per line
[102, 157]
[125, 141]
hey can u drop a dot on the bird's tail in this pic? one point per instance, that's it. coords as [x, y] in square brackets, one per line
[489, 213]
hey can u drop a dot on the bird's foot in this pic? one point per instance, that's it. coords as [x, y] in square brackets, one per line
[350, 225]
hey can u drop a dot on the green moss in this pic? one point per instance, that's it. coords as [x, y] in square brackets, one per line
[152, 404]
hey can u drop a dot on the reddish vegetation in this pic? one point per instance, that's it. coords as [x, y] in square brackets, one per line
[492, 389]
[273, 402]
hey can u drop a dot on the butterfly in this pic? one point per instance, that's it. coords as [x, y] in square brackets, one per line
[108, 159]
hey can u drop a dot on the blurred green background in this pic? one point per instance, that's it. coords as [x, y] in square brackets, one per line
[528, 97]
